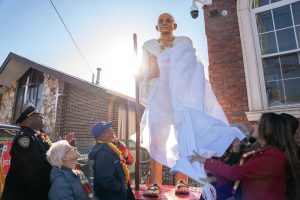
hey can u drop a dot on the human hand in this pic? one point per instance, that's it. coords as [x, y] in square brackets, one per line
[125, 153]
[122, 159]
[196, 157]
[236, 144]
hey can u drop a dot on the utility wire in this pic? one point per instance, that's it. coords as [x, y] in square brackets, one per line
[81, 54]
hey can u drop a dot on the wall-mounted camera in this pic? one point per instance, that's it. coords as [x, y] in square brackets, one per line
[194, 9]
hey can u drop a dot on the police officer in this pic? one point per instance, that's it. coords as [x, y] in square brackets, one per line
[28, 176]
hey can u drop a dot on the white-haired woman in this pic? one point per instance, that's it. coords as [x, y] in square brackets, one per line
[66, 181]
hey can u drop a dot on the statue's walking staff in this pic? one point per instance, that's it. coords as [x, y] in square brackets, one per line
[137, 121]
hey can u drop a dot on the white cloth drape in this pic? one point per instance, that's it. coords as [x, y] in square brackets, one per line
[182, 114]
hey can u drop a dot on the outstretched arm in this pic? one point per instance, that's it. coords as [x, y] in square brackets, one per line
[253, 168]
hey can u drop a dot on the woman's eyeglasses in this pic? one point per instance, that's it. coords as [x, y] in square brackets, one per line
[72, 148]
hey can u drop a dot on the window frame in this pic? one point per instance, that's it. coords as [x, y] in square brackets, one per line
[29, 76]
[252, 58]
[254, 11]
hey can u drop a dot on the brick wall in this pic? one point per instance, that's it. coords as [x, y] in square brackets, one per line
[226, 70]
[79, 110]
[115, 116]
[112, 111]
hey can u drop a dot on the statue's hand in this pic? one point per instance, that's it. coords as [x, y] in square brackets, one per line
[154, 70]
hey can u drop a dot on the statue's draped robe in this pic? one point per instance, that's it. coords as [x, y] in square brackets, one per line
[182, 114]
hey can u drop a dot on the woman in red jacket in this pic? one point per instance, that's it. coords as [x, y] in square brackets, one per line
[265, 172]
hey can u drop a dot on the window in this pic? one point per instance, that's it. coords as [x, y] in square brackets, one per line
[29, 92]
[278, 45]
[270, 38]
[259, 3]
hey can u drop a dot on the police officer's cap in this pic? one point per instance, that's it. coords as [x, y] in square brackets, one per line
[27, 113]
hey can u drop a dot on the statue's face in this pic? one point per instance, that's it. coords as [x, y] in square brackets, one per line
[166, 23]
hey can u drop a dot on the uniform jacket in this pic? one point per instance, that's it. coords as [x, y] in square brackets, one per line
[65, 185]
[263, 175]
[109, 178]
[29, 173]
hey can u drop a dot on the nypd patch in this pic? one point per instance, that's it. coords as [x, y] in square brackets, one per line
[24, 141]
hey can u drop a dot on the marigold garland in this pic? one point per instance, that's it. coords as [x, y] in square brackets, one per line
[45, 138]
[85, 183]
[122, 160]
[166, 44]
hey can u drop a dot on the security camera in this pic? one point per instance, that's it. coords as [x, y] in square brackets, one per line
[194, 11]
[194, 8]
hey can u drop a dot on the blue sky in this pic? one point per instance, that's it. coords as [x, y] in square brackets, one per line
[102, 29]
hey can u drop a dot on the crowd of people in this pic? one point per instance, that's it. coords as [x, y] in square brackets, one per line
[183, 127]
[42, 170]
[265, 169]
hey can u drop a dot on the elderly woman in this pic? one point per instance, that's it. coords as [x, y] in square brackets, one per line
[66, 181]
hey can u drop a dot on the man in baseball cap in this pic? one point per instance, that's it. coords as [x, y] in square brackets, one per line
[110, 182]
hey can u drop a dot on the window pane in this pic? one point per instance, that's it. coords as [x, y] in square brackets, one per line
[272, 69]
[40, 96]
[286, 39]
[259, 3]
[264, 22]
[298, 35]
[292, 90]
[19, 101]
[31, 96]
[296, 12]
[275, 93]
[22, 81]
[290, 66]
[282, 17]
[267, 43]
[34, 77]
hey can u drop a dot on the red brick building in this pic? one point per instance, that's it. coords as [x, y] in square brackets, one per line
[67, 103]
[254, 56]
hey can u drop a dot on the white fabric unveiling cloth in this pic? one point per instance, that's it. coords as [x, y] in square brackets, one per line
[182, 114]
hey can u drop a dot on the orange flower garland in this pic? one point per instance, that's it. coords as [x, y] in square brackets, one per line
[166, 44]
[45, 138]
[122, 160]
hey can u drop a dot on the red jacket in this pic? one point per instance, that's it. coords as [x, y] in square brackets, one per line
[263, 174]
